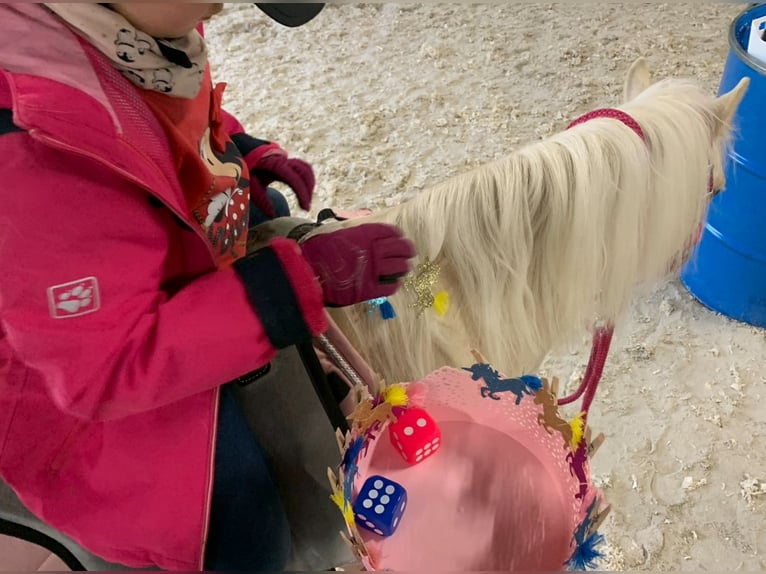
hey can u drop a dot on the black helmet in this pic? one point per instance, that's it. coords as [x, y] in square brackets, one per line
[291, 15]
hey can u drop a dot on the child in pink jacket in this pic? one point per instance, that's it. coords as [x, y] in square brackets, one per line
[127, 298]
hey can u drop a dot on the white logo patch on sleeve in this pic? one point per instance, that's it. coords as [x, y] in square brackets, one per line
[74, 299]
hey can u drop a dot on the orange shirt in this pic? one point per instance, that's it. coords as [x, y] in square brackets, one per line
[212, 172]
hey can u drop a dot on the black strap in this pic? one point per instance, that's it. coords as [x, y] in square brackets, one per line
[328, 213]
[322, 386]
[6, 123]
[33, 536]
[297, 233]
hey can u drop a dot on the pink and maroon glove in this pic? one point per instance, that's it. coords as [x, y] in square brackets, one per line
[296, 173]
[267, 163]
[359, 263]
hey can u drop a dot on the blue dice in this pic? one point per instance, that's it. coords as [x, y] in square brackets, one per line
[380, 505]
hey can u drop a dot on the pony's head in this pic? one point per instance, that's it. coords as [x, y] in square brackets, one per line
[719, 114]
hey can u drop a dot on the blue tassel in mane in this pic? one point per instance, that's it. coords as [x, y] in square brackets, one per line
[586, 556]
[387, 310]
[382, 303]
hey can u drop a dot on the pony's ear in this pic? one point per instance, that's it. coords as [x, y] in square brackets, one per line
[727, 104]
[637, 80]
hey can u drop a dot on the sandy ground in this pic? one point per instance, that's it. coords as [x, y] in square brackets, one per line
[385, 99]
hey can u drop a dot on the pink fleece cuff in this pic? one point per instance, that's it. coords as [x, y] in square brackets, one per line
[254, 156]
[304, 283]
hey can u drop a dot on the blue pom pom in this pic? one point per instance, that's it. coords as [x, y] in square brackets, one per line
[586, 555]
[387, 310]
[534, 383]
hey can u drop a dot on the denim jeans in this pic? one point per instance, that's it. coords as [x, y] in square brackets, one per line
[248, 525]
[281, 208]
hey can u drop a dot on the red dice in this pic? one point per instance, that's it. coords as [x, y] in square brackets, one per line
[415, 435]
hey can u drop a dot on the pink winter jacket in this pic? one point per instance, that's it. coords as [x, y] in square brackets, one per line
[116, 328]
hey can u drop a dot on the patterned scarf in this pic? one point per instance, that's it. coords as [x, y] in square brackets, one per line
[171, 66]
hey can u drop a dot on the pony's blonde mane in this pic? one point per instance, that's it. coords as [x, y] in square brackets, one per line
[535, 247]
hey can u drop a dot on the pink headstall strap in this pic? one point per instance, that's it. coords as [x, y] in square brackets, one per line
[602, 338]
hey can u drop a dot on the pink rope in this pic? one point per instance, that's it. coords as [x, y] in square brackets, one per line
[602, 340]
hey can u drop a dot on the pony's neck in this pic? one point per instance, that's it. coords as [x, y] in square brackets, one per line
[561, 231]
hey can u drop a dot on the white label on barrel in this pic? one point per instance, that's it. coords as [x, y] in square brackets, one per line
[756, 45]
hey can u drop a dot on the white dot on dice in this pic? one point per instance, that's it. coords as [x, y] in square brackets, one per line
[409, 431]
[380, 509]
[367, 503]
[378, 484]
[373, 494]
[384, 499]
[390, 489]
[421, 422]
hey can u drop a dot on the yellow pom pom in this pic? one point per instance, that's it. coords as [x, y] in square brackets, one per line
[578, 429]
[396, 396]
[337, 498]
[345, 508]
[441, 303]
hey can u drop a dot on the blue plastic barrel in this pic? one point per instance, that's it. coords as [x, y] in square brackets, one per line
[728, 271]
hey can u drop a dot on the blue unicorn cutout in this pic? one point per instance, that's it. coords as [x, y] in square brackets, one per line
[519, 386]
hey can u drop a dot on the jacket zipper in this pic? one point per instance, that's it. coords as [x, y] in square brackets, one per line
[41, 137]
[253, 376]
[210, 481]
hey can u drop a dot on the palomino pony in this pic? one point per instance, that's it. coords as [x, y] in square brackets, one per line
[535, 247]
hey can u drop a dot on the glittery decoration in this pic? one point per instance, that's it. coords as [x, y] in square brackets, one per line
[421, 283]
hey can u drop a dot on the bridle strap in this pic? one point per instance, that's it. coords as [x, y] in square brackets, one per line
[611, 113]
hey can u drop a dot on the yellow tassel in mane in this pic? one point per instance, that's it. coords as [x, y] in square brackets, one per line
[578, 429]
[441, 303]
[396, 396]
